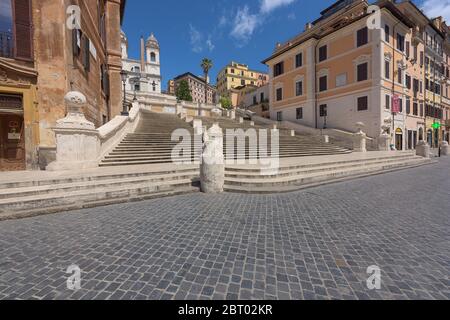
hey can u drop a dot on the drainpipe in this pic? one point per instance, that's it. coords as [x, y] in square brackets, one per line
[315, 84]
[393, 81]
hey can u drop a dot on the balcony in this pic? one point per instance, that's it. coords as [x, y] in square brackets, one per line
[6, 44]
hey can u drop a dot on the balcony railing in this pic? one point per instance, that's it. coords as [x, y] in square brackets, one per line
[6, 44]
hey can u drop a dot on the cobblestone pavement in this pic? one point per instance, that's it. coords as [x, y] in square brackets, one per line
[312, 244]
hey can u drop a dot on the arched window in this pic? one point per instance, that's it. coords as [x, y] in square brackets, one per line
[152, 57]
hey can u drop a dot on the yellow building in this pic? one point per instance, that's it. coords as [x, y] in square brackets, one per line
[237, 75]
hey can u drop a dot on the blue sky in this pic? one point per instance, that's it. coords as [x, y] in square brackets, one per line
[191, 30]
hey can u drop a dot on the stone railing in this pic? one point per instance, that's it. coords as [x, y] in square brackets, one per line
[114, 131]
[79, 145]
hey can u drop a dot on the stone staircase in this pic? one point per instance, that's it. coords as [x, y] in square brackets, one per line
[33, 193]
[289, 146]
[151, 142]
[294, 175]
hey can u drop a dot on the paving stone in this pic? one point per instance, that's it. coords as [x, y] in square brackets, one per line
[311, 244]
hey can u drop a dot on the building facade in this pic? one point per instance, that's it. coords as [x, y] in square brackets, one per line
[237, 75]
[41, 59]
[171, 87]
[197, 88]
[339, 72]
[144, 75]
[257, 101]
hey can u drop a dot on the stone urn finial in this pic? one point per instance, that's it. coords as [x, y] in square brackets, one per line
[75, 119]
[360, 126]
[75, 101]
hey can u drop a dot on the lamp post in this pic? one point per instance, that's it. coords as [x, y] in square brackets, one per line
[123, 75]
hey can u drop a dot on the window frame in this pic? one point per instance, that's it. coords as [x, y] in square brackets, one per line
[320, 58]
[362, 42]
[299, 113]
[358, 71]
[358, 106]
[326, 83]
[296, 64]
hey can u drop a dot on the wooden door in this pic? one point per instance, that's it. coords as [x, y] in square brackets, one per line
[12, 142]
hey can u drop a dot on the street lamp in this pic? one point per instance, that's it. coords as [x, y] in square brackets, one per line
[124, 75]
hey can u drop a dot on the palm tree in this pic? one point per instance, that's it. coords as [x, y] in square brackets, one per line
[206, 65]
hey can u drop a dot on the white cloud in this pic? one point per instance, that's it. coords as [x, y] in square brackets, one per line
[270, 5]
[245, 24]
[210, 44]
[197, 40]
[223, 21]
[436, 8]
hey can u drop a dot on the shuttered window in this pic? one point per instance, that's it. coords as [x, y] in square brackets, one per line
[323, 83]
[363, 103]
[323, 53]
[23, 48]
[363, 71]
[105, 80]
[76, 42]
[362, 37]
[86, 54]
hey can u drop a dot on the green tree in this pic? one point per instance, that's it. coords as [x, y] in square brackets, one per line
[226, 102]
[206, 65]
[183, 92]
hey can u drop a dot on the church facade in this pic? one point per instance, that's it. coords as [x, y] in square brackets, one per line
[144, 75]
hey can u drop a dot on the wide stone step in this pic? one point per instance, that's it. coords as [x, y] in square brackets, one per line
[95, 184]
[342, 161]
[65, 201]
[285, 184]
[282, 172]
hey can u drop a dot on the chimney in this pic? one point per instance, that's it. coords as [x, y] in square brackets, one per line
[142, 54]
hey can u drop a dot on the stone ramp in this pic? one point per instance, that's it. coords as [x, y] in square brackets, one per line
[25, 194]
[300, 173]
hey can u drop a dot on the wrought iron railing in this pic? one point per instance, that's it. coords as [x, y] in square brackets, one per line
[6, 44]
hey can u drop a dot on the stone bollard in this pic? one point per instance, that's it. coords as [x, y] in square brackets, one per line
[292, 133]
[232, 114]
[359, 141]
[326, 138]
[198, 126]
[445, 149]
[384, 143]
[180, 108]
[241, 120]
[423, 149]
[77, 140]
[212, 168]
[252, 123]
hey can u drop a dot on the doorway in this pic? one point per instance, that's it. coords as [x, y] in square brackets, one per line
[399, 139]
[12, 135]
